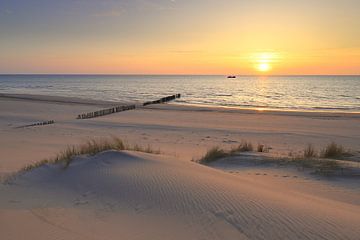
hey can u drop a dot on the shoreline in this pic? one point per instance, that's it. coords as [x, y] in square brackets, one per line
[180, 106]
[56, 99]
[228, 109]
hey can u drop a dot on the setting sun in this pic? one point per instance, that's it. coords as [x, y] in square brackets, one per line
[263, 61]
[263, 67]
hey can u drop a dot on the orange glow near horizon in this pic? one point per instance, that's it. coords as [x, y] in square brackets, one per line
[157, 62]
[182, 37]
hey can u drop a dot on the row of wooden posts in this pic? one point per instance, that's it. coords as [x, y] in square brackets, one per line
[104, 112]
[38, 124]
[163, 100]
[108, 111]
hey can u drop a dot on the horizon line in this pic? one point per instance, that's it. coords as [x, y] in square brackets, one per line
[170, 74]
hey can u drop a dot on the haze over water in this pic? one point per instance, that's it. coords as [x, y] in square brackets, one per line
[302, 93]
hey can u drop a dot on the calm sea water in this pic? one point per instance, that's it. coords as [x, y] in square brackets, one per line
[310, 93]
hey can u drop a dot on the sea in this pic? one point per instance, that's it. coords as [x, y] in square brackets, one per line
[284, 93]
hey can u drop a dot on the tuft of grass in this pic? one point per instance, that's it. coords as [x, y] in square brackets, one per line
[310, 152]
[214, 154]
[262, 148]
[147, 149]
[244, 146]
[333, 150]
[308, 160]
[320, 166]
[35, 165]
[90, 147]
[326, 164]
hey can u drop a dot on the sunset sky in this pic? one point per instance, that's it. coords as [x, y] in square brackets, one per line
[180, 36]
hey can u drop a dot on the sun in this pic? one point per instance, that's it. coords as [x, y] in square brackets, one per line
[263, 61]
[263, 67]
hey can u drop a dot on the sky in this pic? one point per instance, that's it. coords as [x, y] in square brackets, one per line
[180, 36]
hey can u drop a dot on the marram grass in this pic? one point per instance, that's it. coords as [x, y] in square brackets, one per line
[322, 163]
[90, 147]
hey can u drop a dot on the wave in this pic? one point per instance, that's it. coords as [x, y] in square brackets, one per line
[325, 94]
[271, 107]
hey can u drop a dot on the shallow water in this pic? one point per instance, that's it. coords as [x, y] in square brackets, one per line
[309, 93]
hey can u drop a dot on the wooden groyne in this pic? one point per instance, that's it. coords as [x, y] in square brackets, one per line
[163, 100]
[37, 124]
[117, 109]
[107, 111]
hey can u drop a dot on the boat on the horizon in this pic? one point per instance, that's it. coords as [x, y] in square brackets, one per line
[231, 76]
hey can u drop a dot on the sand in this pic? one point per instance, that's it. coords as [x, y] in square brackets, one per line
[129, 195]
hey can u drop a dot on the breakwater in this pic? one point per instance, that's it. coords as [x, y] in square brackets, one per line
[117, 109]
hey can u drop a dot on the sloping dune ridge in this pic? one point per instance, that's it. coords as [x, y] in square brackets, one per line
[127, 195]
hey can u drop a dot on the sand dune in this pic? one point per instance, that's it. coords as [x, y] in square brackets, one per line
[127, 195]
[130, 195]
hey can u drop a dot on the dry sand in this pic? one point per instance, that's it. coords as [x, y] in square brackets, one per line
[127, 195]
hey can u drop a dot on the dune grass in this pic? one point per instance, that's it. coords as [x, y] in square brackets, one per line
[214, 154]
[262, 148]
[244, 146]
[319, 165]
[310, 152]
[330, 151]
[334, 150]
[90, 147]
[322, 163]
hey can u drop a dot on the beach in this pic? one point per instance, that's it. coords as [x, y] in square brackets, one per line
[176, 120]
[177, 130]
[136, 195]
